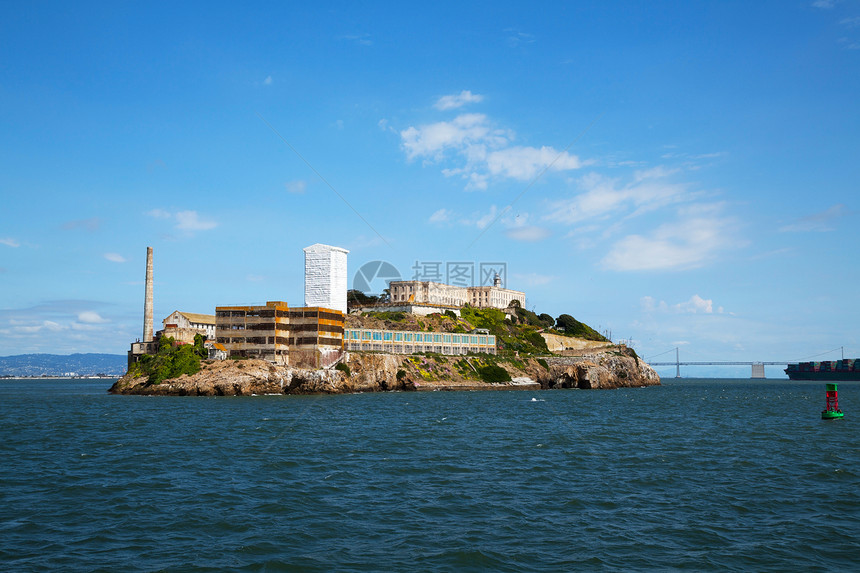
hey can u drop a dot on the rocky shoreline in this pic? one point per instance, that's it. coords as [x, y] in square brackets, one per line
[614, 367]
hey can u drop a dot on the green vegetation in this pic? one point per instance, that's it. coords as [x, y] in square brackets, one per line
[543, 363]
[171, 361]
[520, 337]
[524, 316]
[572, 327]
[493, 373]
[355, 297]
[343, 367]
[386, 315]
[401, 374]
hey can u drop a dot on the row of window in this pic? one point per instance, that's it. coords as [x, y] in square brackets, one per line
[410, 348]
[271, 313]
[436, 337]
[281, 340]
[262, 340]
[329, 328]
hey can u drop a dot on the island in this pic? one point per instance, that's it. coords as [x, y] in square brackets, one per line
[419, 335]
[531, 356]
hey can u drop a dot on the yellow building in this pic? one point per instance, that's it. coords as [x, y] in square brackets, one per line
[304, 336]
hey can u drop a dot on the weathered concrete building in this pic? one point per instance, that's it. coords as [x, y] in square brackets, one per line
[326, 277]
[183, 326]
[303, 336]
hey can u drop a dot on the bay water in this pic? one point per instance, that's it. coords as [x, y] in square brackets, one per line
[697, 474]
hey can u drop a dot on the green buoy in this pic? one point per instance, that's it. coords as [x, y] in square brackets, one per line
[831, 409]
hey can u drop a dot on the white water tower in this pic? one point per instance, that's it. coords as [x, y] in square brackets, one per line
[325, 277]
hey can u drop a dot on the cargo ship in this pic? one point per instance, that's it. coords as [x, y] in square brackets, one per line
[845, 369]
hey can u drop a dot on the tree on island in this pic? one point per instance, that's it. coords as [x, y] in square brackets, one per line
[572, 327]
[172, 360]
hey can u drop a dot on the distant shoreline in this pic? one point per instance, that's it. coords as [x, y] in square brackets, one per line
[59, 377]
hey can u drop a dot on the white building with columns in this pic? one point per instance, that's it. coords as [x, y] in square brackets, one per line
[431, 293]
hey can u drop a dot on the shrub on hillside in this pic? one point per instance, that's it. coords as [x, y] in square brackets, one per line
[493, 374]
[343, 367]
[573, 327]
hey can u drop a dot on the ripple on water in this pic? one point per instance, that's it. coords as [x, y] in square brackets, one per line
[614, 480]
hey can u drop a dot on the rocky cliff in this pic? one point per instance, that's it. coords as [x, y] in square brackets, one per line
[613, 367]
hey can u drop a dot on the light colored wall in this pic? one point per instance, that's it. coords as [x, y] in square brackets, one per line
[326, 279]
[428, 292]
[181, 322]
[494, 297]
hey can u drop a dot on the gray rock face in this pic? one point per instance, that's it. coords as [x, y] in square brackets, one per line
[373, 372]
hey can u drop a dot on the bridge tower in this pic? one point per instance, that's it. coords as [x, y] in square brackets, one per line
[757, 370]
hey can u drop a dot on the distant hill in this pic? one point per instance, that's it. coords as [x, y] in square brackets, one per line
[59, 365]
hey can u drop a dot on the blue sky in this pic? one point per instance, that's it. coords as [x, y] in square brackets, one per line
[682, 174]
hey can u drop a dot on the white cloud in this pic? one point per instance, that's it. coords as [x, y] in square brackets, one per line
[191, 221]
[48, 325]
[696, 305]
[296, 187]
[159, 214]
[267, 81]
[485, 220]
[188, 221]
[441, 216]
[114, 257]
[824, 4]
[604, 197]
[481, 151]
[818, 222]
[528, 233]
[360, 39]
[255, 278]
[524, 163]
[10, 242]
[457, 100]
[658, 172]
[469, 134]
[90, 317]
[516, 38]
[696, 238]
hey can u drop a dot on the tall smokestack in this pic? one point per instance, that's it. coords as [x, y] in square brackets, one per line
[147, 303]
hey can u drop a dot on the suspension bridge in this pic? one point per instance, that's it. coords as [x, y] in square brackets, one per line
[756, 366]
